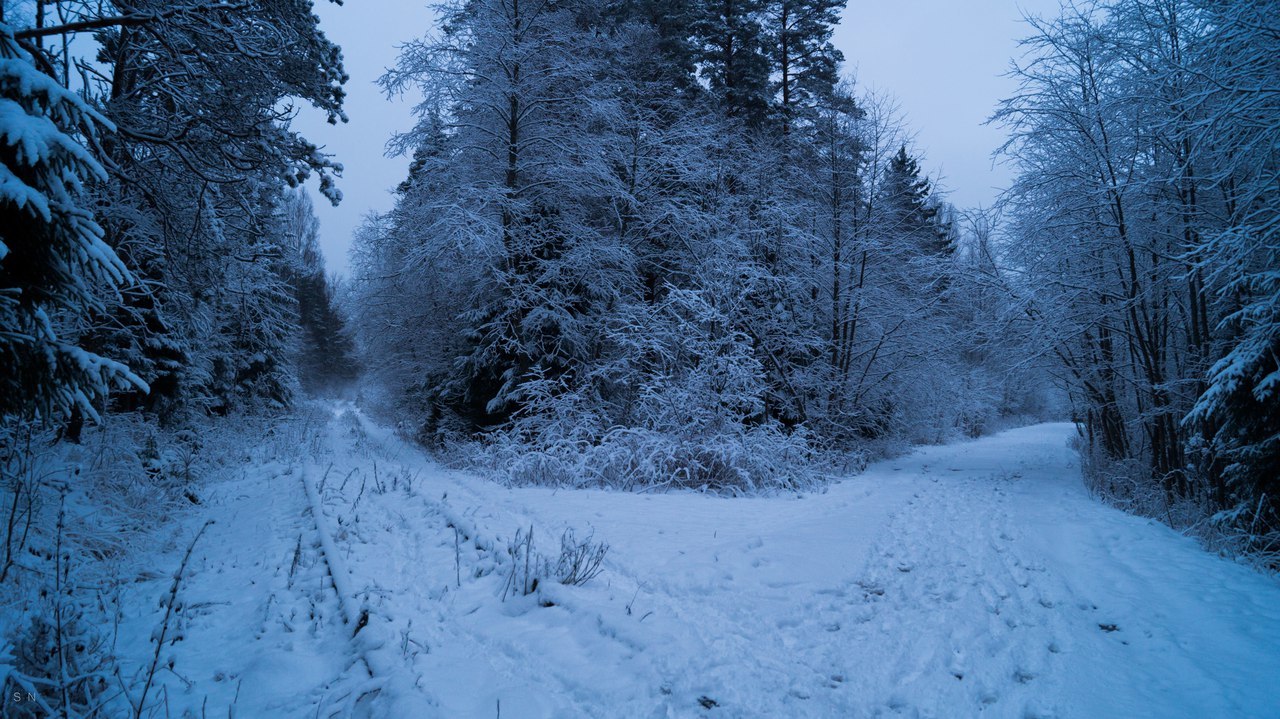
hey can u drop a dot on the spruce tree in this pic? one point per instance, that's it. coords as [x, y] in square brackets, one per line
[325, 361]
[203, 100]
[52, 254]
[913, 213]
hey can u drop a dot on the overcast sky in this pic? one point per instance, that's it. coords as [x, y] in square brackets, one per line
[942, 59]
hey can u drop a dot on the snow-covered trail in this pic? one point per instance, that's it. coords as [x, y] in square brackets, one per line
[974, 579]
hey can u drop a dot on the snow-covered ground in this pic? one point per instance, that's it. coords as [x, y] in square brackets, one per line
[974, 579]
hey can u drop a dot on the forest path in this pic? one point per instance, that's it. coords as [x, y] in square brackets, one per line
[257, 618]
[977, 578]
[972, 579]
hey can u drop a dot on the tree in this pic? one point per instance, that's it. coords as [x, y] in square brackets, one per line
[202, 95]
[1236, 414]
[512, 81]
[602, 265]
[805, 62]
[912, 211]
[52, 253]
[1144, 219]
[326, 362]
[733, 56]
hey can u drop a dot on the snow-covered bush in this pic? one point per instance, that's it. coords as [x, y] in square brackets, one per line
[1127, 484]
[59, 661]
[746, 461]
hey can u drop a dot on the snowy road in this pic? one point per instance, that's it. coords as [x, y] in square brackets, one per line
[976, 579]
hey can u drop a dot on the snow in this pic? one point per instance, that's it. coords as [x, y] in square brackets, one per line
[20, 74]
[35, 139]
[13, 189]
[974, 579]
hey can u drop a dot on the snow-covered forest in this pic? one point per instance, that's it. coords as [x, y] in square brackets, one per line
[672, 382]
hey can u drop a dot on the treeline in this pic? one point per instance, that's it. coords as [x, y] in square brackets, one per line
[1145, 225]
[661, 242]
[156, 255]
[159, 268]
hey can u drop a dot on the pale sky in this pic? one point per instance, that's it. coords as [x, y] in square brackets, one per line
[942, 59]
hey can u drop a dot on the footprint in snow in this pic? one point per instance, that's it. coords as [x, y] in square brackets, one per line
[871, 589]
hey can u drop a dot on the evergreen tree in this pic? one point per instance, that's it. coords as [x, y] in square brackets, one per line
[325, 361]
[202, 97]
[805, 62]
[911, 210]
[510, 185]
[661, 48]
[52, 253]
[733, 56]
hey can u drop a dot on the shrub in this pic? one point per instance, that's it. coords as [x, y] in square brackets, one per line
[739, 461]
[579, 562]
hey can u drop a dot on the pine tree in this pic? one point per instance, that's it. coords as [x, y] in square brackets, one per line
[661, 43]
[520, 156]
[733, 56]
[52, 254]
[805, 62]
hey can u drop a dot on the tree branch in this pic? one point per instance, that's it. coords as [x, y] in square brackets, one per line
[130, 20]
